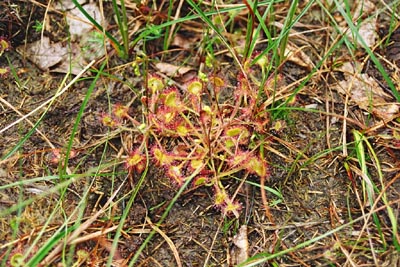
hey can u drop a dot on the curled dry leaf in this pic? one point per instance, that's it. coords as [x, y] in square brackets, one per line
[367, 24]
[172, 70]
[44, 53]
[74, 63]
[297, 56]
[79, 24]
[367, 94]
[185, 42]
[54, 57]
[368, 32]
[65, 58]
[364, 8]
[240, 251]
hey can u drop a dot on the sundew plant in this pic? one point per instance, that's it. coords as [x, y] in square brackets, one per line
[207, 126]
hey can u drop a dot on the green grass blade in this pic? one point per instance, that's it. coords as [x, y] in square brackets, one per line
[389, 209]
[368, 184]
[79, 117]
[122, 25]
[264, 257]
[374, 59]
[114, 41]
[44, 250]
[127, 210]
[286, 27]
[205, 18]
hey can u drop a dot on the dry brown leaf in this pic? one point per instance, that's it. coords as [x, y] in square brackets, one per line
[367, 26]
[63, 58]
[79, 24]
[43, 53]
[184, 42]
[364, 8]
[368, 95]
[240, 251]
[367, 31]
[54, 57]
[172, 70]
[76, 64]
[297, 56]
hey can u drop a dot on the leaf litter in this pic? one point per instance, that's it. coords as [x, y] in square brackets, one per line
[87, 43]
[366, 93]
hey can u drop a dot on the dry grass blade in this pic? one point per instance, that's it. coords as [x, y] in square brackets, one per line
[5, 102]
[74, 235]
[169, 242]
[59, 93]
